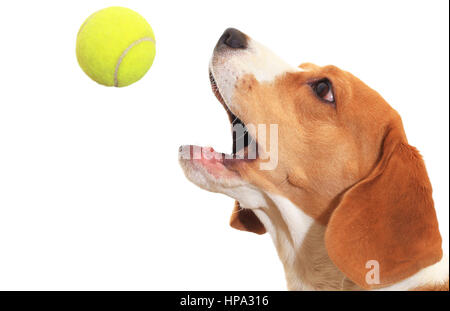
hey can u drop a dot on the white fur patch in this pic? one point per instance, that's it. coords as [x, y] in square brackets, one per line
[436, 274]
[297, 222]
[228, 66]
[234, 187]
[287, 226]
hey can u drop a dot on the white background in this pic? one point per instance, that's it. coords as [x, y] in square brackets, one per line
[91, 194]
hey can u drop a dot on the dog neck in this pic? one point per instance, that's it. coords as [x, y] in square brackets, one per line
[300, 244]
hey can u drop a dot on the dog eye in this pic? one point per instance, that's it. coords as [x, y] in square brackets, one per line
[324, 90]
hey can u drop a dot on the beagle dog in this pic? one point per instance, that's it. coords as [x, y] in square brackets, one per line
[345, 198]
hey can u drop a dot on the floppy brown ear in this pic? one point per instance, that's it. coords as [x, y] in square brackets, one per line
[244, 219]
[388, 217]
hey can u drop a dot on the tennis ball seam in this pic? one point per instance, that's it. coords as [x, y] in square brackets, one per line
[124, 53]
[86, 21]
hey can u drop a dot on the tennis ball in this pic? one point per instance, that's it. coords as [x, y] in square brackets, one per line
[115, 46]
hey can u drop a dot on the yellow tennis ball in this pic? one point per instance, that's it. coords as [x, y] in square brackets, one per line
[115, 46]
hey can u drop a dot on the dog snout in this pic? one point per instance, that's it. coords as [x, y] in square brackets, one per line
[233, 38]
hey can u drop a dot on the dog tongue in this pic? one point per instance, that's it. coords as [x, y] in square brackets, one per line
[207, 154]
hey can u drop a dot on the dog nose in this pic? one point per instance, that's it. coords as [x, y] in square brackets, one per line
[233, 38]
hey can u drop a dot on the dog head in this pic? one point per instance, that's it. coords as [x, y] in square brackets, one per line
[321, 138]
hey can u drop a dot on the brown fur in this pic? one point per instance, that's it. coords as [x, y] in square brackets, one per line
[389, 217]
[349, 167]
[245, 220]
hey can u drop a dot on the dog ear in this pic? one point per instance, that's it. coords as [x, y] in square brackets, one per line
[244, 219]
[387, 221]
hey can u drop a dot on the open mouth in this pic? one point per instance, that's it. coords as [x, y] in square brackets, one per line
[244, 145]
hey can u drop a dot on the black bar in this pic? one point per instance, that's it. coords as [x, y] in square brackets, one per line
[217, 300]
